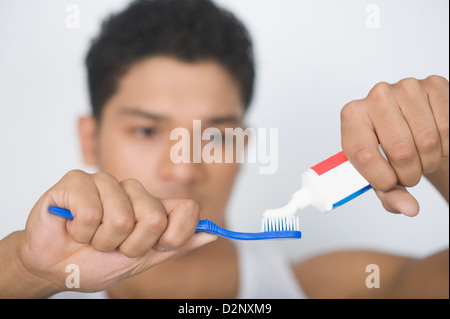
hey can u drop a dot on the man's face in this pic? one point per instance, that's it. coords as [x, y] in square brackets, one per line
[154, 97]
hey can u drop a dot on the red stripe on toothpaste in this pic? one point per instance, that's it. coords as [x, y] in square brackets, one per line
[330, 163]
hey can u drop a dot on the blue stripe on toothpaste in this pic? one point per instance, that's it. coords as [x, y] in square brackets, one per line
[350, 197]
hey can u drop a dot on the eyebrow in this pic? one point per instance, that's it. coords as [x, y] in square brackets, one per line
[214, 120]
[224, 119]
[140, 113]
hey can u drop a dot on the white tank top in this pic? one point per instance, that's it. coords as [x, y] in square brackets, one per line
[264, 273]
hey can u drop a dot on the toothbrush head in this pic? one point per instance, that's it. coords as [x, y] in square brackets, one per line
[280, 223]
[281, 219]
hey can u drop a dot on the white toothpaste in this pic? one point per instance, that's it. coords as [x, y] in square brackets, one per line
[325, 186]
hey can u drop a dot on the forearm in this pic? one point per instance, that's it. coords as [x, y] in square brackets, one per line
[424, 278]
[440, 178]
[15, 280]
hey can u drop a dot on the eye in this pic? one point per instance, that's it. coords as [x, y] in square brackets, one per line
[216, 137]
[144, 132]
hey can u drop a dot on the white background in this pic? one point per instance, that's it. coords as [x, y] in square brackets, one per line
[312, 58]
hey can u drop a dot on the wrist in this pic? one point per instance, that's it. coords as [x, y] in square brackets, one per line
[440, 178]
[16, 281]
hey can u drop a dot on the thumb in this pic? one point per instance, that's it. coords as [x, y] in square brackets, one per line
[156, 256]
[198, 240]
[399, 200]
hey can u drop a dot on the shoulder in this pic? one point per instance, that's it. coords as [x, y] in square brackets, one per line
[345, 274]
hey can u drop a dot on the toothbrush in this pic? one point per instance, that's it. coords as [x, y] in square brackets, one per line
[325, 186]
[280, 229]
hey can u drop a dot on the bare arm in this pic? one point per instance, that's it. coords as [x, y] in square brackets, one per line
[15, 280]
[410, 121]
[119, 230]
[344, 275]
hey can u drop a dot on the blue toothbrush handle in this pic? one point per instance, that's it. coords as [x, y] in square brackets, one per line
[60, 212]
[211, 227]
[208, 226]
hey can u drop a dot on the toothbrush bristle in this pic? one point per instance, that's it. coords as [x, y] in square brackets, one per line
[289, 223]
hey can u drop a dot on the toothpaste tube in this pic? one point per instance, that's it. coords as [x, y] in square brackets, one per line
[329, 184]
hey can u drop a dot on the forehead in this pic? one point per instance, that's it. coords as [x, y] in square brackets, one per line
[173, 88]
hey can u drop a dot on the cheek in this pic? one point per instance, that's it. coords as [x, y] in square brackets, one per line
[222, 177]
[123, 159]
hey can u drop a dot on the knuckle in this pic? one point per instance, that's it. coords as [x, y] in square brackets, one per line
[75, 174]
[105, 177]
[79, 238]
[410, 88]
[170, 241]
[363, 156]
[381, 91]
[189, 206]
[132, 250]
[437, 82]
[131, 183]
[123, 223]
[427, 141]
[155, 223]
[349, 110]
[408, 84]
[388, 181]
[401, 152]
[189, 209]
[91, 215]
[387, 184]
[129, 252]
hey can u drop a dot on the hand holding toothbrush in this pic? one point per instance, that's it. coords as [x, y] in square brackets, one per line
[410, 120]
[119, 230]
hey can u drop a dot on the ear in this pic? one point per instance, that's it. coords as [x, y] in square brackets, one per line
[246, 138]
[87, 131]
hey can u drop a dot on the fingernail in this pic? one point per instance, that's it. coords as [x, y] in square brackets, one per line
[409, 209]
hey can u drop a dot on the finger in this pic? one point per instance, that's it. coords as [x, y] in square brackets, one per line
[118, 216]
[361, 147]
[413, 102]
[394, 135]
[399, 200]
[77, 192]
[183, 218]
[151, 220]
[438, 96]
[154, 257]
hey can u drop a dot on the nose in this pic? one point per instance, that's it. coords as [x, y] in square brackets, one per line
[186, 172]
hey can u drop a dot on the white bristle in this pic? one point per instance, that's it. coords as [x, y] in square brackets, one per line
[281, 219]
[282, 223]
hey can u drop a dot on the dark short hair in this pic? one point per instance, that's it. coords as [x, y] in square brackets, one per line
[189, 30]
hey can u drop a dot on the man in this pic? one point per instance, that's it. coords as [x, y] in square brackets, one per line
[160, 65]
